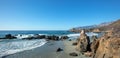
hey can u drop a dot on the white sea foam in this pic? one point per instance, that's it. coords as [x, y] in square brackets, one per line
[91, 34]
[20, 36]
[77, 35]
[12, 47]
[73, 35]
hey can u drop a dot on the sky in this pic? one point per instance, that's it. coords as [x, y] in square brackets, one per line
[56, 14]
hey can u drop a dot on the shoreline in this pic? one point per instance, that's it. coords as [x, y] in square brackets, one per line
[48, 51]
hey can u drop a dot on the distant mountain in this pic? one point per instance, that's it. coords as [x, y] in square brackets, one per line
[115, 26]
[91, 27]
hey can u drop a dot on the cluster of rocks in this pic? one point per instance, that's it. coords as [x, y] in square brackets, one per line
[37, 36]
[107, 46]
[47, 37]
[8, 36]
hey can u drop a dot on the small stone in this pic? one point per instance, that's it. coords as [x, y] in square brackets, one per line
[59, 49]
[73, 54]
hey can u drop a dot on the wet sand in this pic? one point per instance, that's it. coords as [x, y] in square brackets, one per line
[49, 51]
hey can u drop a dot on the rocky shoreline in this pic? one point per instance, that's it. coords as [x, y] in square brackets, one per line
[106, 46]
[37, 36]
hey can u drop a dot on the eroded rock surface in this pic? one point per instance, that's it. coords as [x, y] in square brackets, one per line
[83, 42]
[106, 47]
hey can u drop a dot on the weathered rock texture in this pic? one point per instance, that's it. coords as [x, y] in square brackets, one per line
[107, 46]
[83, 42]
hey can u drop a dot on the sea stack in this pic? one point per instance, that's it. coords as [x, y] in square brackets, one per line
[83, 42]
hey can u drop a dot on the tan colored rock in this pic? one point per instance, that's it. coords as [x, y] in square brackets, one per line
[88, 54]
[106, 47]
[96, 30]
[83, 42]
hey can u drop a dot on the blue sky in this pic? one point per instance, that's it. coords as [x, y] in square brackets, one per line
[56, 14]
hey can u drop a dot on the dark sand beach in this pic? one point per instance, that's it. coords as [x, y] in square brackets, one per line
[49, 51]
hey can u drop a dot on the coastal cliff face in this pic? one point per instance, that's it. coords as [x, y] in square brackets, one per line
[106, 47]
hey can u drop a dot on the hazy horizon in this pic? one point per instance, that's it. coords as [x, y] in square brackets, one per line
[56, 14]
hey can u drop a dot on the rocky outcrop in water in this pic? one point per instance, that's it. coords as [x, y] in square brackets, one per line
[9, 36]
[64, 37]
[83, 42]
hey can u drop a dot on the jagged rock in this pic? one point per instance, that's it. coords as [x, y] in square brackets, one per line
[73, 54]
[106, 47]
[83, 42]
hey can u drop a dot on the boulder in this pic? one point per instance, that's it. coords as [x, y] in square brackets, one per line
[64, 37]
[106, 47]
[73, 54]
[53, 37]
[83, 42]
[59, 50]
[74, 43]
[9, 36]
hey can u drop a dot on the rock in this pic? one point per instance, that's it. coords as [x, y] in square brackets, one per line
[73, 54]
[53, 37]
[40, 36]
[9, 36]
[94, 45]
[75, 43]
[64, 37]
[59, 50]
[96, 30]
[83, 43]
[70, 40]
[106, 47]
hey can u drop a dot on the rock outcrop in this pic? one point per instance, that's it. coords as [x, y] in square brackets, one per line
[83, 42]
[9, 36]
[53, 37]
[107, 46]
[64, 37]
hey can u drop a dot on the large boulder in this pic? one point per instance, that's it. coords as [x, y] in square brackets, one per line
[83, 42]
[106, 47]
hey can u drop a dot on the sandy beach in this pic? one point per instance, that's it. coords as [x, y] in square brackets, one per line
[49, 51]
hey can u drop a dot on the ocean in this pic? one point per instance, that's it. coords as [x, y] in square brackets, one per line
[11, 46]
